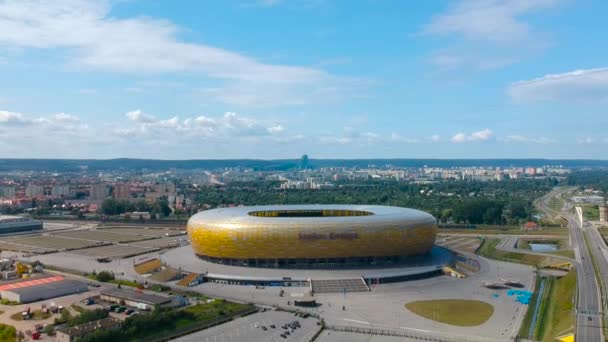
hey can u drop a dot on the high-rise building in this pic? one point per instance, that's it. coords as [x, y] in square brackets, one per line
[98, 192]
[58, 191]
[122, 191]
[34, 190]
[7, 191]
[304, 161]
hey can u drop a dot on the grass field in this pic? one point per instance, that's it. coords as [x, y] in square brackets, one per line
[604, 233]
[557, 317]
[490, 230]
[556, 204]
[8, 333]
[466, 313]
[562, 245]
[568, 253]
[524, 329]
[591, 212]
[488, 250]
[37, 315]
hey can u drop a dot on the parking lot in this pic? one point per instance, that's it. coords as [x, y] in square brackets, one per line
[111, 242]
[257, 327]
[46, 243]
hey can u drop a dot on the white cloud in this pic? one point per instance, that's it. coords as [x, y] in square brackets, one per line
[10, 117]
[275, 129]
[264, 3]
[586, 141]
[44, 125]
[435, 138]
[487, 34]
[524, 139]
[475, 136]
[496, 21]
[584, 85]
[63, 117]
[139, 116]
[96, 40]
[133, 90]
[398, 138]
[227, 126]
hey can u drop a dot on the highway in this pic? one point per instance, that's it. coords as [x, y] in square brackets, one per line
[588, 307]
[589, 297]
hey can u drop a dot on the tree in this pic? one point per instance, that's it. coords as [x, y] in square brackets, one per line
[105, 276]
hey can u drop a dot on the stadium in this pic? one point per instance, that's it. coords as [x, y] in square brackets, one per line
[312, 236]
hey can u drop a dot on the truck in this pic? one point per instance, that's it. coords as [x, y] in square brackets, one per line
[120, 309]
[112, 307]
[143, 306]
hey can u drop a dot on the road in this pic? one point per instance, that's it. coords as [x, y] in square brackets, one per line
[588, 308]
[589, 297]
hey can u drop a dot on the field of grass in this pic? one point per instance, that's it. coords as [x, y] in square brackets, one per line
[604, 233]
[488, 250]
[557, 318]
[8, 333]
[524, 329]
[556, 204]
[37, 315]
[124, 282]
[217, 308]
[568, 253]
[489, 230]
[591, 212]
[562, 245]
[466, 313]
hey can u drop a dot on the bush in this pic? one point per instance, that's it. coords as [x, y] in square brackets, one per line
[88, 316]
[7, 332]
[64, 317]
[49, 329]
[105, 276]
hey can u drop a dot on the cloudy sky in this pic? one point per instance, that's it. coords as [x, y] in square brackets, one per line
[280, 78]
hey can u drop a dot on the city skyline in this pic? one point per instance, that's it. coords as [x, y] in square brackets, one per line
[276, 79]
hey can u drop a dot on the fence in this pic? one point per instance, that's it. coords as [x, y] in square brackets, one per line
[424, 336]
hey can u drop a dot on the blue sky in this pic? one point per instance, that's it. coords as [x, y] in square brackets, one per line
[280, 78]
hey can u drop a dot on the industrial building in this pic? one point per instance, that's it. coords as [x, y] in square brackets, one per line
[136, 299]
[311, 236]
[33, 290]
[18, 224]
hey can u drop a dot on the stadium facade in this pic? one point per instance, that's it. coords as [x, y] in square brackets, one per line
[311, 236]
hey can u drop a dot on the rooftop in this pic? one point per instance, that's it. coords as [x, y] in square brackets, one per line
[21, 283]
[32, 290]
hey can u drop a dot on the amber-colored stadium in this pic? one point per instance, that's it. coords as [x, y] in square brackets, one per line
[311, 235]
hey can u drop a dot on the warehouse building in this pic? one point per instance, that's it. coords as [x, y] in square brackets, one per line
[136, 299]
[33, 290]
[18, 224]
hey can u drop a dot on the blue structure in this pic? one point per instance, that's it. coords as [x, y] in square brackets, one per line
[521, 296]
